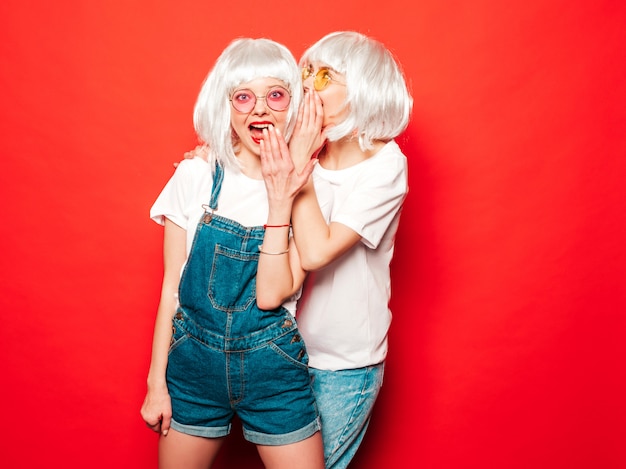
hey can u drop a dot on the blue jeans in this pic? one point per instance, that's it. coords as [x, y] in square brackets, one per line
[345, 400]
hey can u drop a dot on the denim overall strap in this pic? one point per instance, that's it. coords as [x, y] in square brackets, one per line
[218, 177]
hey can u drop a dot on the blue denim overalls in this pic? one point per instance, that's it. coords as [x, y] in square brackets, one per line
[228, 356]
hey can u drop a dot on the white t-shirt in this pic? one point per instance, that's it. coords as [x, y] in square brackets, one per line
[343, 313]
[241, 198]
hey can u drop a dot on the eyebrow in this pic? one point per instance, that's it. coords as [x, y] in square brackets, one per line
[327, 67]
[247, 88]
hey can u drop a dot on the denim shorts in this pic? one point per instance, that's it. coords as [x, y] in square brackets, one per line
[262, 378]
[345, 399]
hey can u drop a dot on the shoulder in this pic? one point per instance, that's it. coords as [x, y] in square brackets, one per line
[386, 166]
[390, 154]
[190, 170]
[191, 165]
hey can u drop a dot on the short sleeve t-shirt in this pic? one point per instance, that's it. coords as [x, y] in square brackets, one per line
[344, 313]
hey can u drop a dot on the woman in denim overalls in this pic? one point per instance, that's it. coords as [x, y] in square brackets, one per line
[225, 339]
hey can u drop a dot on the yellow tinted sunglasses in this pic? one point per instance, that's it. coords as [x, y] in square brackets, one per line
[321, 79]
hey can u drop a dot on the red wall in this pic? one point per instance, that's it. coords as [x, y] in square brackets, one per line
[507, 342]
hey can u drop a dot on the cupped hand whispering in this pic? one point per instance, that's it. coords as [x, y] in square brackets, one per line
[308, 136]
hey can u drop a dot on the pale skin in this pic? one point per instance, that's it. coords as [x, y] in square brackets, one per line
[278, 278]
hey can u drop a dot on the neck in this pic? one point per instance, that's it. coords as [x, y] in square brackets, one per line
[250, 164]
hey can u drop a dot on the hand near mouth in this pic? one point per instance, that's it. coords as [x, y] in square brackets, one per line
[282, 180]
[256, 130]
[309, 136]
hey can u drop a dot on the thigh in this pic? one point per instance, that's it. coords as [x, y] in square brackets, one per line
[178, 450]
[345, 399]
[305, 454]
[198, 387]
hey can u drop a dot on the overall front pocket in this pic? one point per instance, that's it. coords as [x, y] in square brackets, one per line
[232, 284]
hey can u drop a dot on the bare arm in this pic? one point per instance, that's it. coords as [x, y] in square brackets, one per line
[319, 243]
[280, 273]
[156, 409]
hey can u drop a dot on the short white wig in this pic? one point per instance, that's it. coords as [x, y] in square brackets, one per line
[242, 61]
[378, 101]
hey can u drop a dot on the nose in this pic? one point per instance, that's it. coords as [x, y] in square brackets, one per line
[307, 83]
[260, 106]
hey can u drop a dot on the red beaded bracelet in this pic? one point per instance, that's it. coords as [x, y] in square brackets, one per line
[277, 226]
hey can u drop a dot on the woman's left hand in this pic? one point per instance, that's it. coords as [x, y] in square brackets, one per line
[308, 136]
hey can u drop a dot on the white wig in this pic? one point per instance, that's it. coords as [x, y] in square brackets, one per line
[242, 61]
[378, 101]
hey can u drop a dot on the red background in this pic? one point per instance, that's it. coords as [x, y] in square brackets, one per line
[508, 285]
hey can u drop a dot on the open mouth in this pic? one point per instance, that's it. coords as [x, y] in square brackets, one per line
[256, 130]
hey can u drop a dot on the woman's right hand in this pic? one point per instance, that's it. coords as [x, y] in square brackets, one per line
[201, 151]
[157, 410]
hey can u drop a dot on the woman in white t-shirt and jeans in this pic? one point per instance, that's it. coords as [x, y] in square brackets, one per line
[345, 222]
